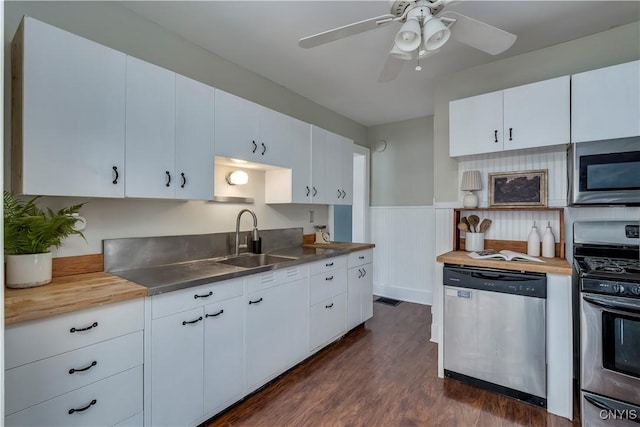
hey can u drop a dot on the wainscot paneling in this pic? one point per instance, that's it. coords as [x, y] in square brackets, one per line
[403, 260]
[554, 159]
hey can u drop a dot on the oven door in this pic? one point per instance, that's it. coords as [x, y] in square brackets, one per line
[610, 348]
[605, 172]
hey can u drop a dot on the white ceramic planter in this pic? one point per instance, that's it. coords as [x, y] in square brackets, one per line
[27, 271]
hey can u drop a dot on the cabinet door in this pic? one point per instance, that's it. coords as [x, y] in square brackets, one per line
[150, 131]
[319, 180]
[366, 292]
[475, 125]
[194, 139]
[73, 111]
[223, 353]
[236, 127]
[276, 330]
[537, 114]
[346, 171]
[605, 103]
[275, 135]
[327, 321]
[177, 368]
[301, 163]
[354, 298]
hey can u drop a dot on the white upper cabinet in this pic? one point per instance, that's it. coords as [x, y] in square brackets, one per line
[533, 115]
[605, 103]
[320, 182]
[248, 131]
[194, 145]
[150, 131]
[537, 114]
[475, 124]
[68, 114]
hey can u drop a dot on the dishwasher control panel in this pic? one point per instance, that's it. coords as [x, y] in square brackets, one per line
[503, 281]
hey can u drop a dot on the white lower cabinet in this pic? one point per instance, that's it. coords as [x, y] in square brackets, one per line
[326, 321]
[360, 288]
[276, 330]
[177, 368]
[81, 368]
[223, 354]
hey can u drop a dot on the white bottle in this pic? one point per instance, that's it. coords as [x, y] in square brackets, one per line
[533, 241]
[548, 243]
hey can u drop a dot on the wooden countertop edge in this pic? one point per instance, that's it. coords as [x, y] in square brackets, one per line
[551, 265]
[343, 246]
[68, 294]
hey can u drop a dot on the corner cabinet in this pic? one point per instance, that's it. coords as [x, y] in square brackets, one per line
[77, 150]
[605, 103]
[528, 116]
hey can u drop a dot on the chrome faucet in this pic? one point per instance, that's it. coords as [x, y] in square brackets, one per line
[255, 228]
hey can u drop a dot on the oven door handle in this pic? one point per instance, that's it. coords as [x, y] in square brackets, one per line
[612, 305]
[603, 406]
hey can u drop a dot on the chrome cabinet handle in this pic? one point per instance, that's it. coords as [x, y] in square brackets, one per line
[94, 325]
[184, 322]
[115, 170]
[214, 315]
[72, 370]
[168, 178]
[73, 410]
[255, 146]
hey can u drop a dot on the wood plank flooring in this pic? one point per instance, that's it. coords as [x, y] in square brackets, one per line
[382, 374]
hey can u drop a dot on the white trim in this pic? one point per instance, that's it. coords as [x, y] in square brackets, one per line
[359, 150]
[403, 294]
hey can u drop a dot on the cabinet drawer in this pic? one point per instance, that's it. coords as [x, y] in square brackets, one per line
[36, 382]
[178, 301]
[103, 403]
[327, 321]
[30, 341]
[326, 285]
[360, 257]
[327, 265]
[272, 278]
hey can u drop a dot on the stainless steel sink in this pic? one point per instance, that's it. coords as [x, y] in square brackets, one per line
[254, 260]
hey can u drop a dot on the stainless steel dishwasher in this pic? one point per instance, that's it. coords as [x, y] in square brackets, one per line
[494, 330]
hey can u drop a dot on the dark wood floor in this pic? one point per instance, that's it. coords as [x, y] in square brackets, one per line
[383, 374]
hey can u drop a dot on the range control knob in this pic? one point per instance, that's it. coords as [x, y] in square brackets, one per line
[636, 290]
[618, 288]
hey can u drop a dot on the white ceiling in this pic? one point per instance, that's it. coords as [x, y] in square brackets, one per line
[342, 76]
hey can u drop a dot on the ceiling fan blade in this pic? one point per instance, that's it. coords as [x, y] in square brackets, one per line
[345, 31]
[391, 69]
[479, 35]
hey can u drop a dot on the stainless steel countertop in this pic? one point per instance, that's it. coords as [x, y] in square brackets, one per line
[172, 277]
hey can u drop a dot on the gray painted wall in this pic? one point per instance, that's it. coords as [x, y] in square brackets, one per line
[121, 29]
[615, 46]
[402, 174]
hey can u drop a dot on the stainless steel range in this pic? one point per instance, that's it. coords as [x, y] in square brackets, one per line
[607, 272]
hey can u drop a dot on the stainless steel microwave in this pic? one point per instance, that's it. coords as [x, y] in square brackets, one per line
[605, 172]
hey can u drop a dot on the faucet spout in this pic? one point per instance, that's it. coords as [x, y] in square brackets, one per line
[255, 228]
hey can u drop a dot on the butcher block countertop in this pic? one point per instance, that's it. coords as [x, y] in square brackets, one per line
[342, 246]
[550, 265]
[67, 294]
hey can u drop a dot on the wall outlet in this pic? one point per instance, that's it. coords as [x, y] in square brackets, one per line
[311, 217]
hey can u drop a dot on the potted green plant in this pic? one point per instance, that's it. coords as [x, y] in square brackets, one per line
[29, 235]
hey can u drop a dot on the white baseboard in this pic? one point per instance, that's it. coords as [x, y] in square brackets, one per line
[403, 294]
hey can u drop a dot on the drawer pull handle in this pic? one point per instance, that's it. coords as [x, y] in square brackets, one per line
[328, 306]
[360, 275]
[72, 370]
[255, 302]
[214, 315]
[196, 296]
[93, 402]
[364, 272]
[184, 180]
[95, 325]
[168, 179]
[329, 264]
[361, 257]
[328, 278]
[115, 179]
[184, 322]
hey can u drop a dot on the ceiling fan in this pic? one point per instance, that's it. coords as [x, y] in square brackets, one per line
[425, 28]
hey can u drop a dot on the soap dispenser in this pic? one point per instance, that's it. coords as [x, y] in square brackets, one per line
[533, 241]
[548, 243]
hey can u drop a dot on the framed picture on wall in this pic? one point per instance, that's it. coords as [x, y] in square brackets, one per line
[518, 189]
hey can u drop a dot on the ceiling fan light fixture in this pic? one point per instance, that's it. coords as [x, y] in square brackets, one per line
[408, 38]
[435, 34]
[400, 54]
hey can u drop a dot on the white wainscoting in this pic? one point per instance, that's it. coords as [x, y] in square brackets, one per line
[554, 159]
[403, 260]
